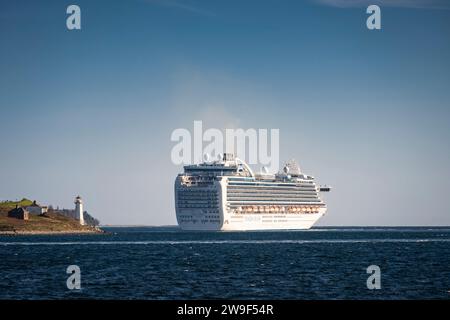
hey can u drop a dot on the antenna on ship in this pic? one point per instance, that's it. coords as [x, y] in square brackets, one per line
[292, 167]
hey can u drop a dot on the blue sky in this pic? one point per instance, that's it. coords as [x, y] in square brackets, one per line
[90, 112]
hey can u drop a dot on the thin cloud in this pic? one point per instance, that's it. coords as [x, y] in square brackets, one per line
[416, 4]
[181, 5]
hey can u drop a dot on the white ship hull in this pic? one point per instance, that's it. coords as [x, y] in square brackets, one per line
[228, 196]
[250, 222]
[224, 219]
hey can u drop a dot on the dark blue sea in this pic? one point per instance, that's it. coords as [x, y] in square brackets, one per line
[166, 263]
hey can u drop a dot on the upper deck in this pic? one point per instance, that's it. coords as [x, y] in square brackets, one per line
[237, 169]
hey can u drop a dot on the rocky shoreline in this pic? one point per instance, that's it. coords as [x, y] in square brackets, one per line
[50, 232]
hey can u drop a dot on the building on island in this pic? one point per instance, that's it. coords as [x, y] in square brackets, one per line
[37, 209]
[79, 209]
[19, 213]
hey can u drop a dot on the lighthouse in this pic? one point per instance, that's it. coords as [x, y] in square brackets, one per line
[79, 209]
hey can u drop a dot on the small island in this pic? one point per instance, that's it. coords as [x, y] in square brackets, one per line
[26, 217]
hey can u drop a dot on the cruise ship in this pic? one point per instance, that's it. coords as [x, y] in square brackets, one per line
[227, 195]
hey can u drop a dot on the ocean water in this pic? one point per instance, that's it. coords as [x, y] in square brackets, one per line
[167, 263]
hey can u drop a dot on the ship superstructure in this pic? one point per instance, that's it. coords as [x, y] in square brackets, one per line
[227, 195]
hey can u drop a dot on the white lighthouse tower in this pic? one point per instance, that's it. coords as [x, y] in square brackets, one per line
[79, 209]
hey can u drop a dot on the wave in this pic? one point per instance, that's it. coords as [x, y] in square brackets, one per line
[183, 242]
[378, 229]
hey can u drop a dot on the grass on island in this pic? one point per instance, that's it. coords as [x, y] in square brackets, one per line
[8, 205]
